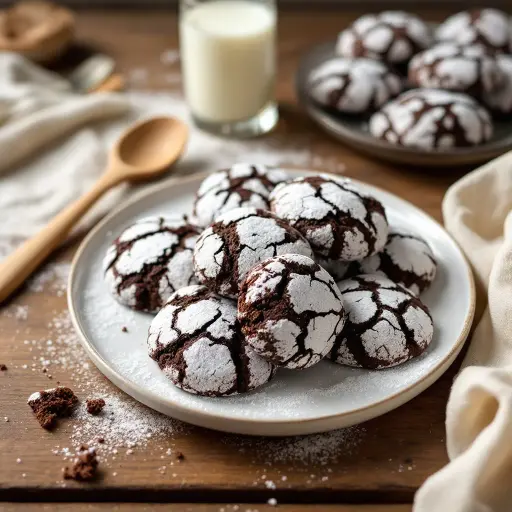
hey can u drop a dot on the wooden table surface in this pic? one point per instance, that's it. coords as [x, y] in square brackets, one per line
[395, 453]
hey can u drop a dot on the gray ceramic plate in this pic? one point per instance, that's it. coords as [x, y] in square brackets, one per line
[353, 130]
[321, 398]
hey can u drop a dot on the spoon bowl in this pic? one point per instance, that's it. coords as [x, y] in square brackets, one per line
[149, 148]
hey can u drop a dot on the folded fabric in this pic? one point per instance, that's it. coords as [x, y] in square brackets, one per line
[478, 213]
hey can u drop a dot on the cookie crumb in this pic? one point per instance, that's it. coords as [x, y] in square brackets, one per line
[95, 405]
[124, 328]
[84, 466]
[3, 368]
[180, 456]
[51, 404]
[101, 440]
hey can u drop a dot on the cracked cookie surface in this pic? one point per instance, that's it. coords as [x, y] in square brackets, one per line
[339, 221]
[432, 119]
[238, 240]
[406, 259]
[241, 185]
[150, 260]
[290, 311]
[353, 85]
[469, 69]
[196, 341]
[489, 27]
[391, 36]
[386, 324]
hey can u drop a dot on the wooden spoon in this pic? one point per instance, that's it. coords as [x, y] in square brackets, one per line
[142, 152]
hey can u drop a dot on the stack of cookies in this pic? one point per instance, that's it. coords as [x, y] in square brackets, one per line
[458, 77]
[270, 272]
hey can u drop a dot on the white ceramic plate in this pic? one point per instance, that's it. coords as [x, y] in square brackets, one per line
[353, 129]
[321, 398]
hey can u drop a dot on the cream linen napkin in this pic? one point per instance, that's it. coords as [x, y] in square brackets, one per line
[478, 213]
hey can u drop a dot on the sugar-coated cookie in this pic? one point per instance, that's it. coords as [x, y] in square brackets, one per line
[391, 36]
[386, 324]
[500, 101]
[353, 85]
[406, 259]
[290, 311]
[238, 240]
[339, 221]
[239, 186]
[196, 342]
[432, 119]
[488, 27]
[150, 260]
[469, 69]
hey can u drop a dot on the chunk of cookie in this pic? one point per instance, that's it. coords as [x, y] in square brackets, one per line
[150, 260]
[432, 119]
[339, 221]
[406, 259]
[353, 85]
[95, 405]
[239, 186]
[469, 69]
[500, 101]
[391, 36]
[196, 341]
[386, 325]
[488, 27]
[85, 466]
[237, 241]
[290, 311]
[52, 404]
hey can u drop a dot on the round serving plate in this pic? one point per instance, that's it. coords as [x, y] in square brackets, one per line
[321, 398]
[353, 129]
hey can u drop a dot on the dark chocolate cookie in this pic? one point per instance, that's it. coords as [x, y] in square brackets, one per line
[406, 259]
[239, 186]
[391, 36]
[238, 240]
[290, 311]
[353, 85]
[339, 221]
[500, 101]
[469, 69]
[196, 341]
[488, 27]
[432, 119]
[386, 325]
[150, 260]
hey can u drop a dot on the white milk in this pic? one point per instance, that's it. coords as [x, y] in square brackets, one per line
[227, 52]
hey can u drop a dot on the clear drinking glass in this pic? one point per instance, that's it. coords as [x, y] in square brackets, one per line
[228, 63]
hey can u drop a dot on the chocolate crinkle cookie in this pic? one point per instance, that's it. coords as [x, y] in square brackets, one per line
[386, 325]
[239, 186]
[150, 260]
[406, 259]
[488, 27]
[432, 119]
[51, 404]
[391, 36]
[196, 341]
[339, 221]
[469, 69]
[353, 85]
[500, 101]
[290, 311]
[238, 240]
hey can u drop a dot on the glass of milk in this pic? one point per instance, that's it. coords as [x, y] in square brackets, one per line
[228, 64]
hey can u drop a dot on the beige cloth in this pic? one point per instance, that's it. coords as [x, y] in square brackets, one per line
[478, 213]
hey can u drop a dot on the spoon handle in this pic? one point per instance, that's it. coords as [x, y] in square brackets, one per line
[18, 266]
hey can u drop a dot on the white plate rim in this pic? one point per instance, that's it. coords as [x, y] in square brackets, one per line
[243, 425]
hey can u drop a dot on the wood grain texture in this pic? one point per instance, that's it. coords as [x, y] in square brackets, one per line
[396, 452]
